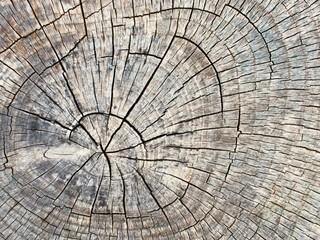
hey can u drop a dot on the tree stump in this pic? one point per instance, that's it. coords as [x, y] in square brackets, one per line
[160, 119]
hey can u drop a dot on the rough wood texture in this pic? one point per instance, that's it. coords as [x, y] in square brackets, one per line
[160, 119]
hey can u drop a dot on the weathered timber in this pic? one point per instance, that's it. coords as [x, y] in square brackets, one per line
[160, 119]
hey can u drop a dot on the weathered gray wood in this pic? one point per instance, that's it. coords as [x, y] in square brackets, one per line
[159, 119]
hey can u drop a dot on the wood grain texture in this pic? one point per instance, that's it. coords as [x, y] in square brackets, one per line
[159, 119]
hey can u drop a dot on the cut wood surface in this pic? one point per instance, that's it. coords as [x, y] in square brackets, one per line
[159, 119]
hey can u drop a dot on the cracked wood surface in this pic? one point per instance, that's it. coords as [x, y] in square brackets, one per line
[160, 120]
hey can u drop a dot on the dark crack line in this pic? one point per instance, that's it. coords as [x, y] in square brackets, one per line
[112, 39]
[189, 20]
[84, 19]
[201, 219]
[145, 54]
[89, 134]
[255, 27]
[11, 69]
[17, 92]
[108, 160]
[58, 62]
[185, 181]
[126, 62]
[214, 68]
[92, 74]
[114, 133]
[177, 96]
[40, 175]
[197, 117]
[133, 127]
[194, 218]
[9, 22]
[236, 144]
[107, 115]
[95, 129]
[47, 95]
[25, 58]
[64, 98]
[6, 156]
[35, 130]
[196, 148]
[227, 173]
[45, 185]
[56, 53]
[112, 87]
[124, 200]
[154, 198]
[43, 118]
[197, 73]
[111, 95]
[72, 93]
[165, 111]
[171, 190]
[158, 91]
[134, 19]
[174, 146]
[97, 192]
[123, 149]
[46, 35]
[69, 138]
[186, 132]
[11, 208]
[94, 50]
[99, 10]
[195, 99]
[153, 160]
[133, 81]
[170, 9]
[37, 29]
[142, 92]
